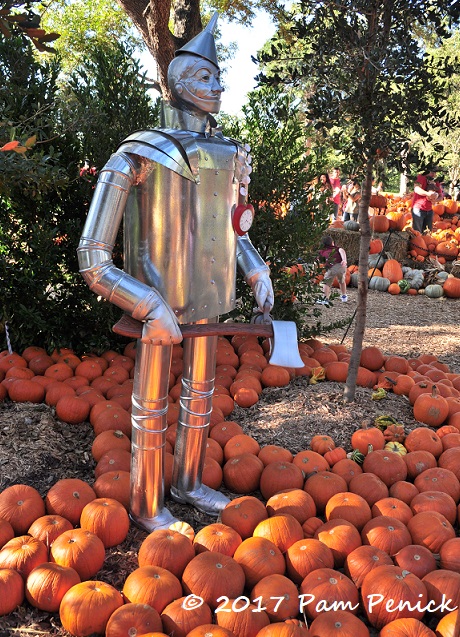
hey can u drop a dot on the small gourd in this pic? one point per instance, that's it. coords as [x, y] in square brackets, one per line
[394, 433]
[396, 447]
[404, 285]
[376, 261]
[434, 291]
[351, 225]
[379, 283]
[357, 456]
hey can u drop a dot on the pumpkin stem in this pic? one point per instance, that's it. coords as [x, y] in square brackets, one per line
[390, 380]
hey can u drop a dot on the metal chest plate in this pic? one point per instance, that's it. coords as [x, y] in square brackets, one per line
[178, 231]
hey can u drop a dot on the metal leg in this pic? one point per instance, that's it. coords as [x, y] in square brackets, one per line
[149, 408]
[193, 426]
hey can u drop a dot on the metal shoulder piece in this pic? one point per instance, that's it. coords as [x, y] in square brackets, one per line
[161, 146]
[98, 238]
[248, 259]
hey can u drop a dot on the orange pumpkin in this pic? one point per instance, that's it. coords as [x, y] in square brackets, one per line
[365, 436]
[369, 486]
[211, 575]
[20, 505]
[322, 486]
[415, 558]
[179, 619]
[23, 553]
[331, 585]
[394, 508]
[394, 288]
[403, 490]
[422, 438]
[79, 549]
[346, 469]
[341, 537]
[388, 466]
[442, 584]
[242, 474]
[133, 619]
[451, 288]
[114, 484]
[11, 590]
[322, 444]
[305, 556]
[278, 476]
[430, 529]
[67, 498]
[242, 619]
[239, 444]
[259, 557]
[372, 358]
[392, 582]
[310, 461]
[48, 527]
[107, 518]
[363, 560]
[269, 589]
[87, 607]
[274, 453]
[168, 549]
[439, 479]
[338, 622]
[217, 537]
[431, 409]
[379, 223]
[244, 514]
[282, 529]
[47, 584]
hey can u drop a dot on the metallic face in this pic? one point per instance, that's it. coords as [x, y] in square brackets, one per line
[195, 81]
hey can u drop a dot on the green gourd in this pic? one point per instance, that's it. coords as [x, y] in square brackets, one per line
[404, 285]
[379, 283]
[376, 261]
[351, 225]
[434, 291]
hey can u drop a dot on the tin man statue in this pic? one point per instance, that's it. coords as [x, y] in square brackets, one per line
[182, 192]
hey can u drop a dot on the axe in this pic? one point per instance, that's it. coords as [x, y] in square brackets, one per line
[284, 350]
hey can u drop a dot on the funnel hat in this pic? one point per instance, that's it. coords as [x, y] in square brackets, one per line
[203, 44]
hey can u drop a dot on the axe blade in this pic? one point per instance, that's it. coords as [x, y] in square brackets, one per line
[284, 349]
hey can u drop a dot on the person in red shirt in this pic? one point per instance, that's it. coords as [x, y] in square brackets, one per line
[335, 263]
[426, 192]
[336, 190]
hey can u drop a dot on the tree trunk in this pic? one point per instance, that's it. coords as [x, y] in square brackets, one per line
[363, 267]
[151, 18]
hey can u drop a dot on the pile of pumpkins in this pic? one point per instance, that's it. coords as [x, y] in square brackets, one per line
[388, 275]
[442, 244]
[396, 278]
[326, 542]
[393, 212]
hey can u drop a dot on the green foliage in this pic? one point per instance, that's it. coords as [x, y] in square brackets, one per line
[44, 201]
[365, 68]
[83, 24]
[107, 98]
[290, 215]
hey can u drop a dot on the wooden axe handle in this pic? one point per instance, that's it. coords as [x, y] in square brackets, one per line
[127, 326]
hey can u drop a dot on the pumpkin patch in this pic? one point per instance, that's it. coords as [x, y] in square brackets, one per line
[323, 520]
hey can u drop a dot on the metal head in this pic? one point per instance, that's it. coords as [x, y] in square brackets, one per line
[195, 83]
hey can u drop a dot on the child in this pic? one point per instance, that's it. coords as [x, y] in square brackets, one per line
[335, 261]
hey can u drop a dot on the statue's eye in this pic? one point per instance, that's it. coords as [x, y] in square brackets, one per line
[205, 78]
